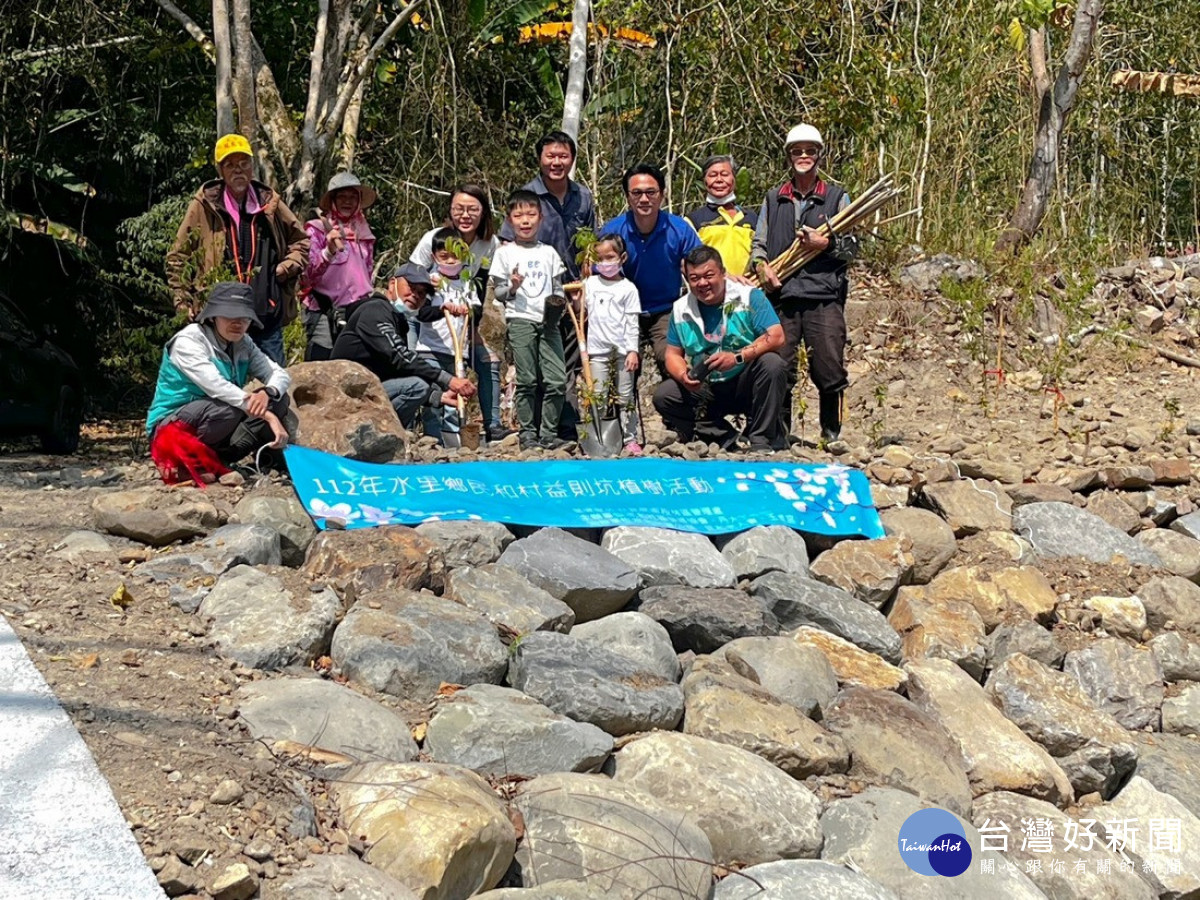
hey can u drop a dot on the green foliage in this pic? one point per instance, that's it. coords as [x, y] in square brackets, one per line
[970, 302]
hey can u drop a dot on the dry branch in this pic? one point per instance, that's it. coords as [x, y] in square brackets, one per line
[1174, 83]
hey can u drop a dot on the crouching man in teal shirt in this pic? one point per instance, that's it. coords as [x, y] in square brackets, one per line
[202, 420]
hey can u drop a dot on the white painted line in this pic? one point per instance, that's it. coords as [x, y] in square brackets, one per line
[62, 835]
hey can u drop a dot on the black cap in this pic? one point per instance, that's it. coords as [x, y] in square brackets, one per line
[413, 274]
[230, 299]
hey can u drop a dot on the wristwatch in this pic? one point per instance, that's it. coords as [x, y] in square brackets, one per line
[739, 358]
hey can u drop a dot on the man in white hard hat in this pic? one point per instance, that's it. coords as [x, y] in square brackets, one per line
[810, 303]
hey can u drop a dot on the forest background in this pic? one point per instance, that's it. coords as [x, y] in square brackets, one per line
[108, 118]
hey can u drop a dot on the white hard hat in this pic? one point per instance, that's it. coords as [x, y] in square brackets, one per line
[804, 134]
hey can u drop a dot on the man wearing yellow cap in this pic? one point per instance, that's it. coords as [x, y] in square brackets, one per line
[239, 229]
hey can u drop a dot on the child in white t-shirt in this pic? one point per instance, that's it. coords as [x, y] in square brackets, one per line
[613, 307]
[455, 294]
[527, 276]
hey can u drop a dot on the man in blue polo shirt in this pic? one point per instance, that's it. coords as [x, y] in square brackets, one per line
[656, 242]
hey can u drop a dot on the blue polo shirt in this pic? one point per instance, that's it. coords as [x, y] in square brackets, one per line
[655, 260]
[561, 221]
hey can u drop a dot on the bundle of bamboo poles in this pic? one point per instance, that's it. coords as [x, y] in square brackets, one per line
[854, 216]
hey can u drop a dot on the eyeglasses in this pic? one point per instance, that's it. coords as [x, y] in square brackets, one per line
[238, 164]
[645, 192]
[465, 210]
[814, 152]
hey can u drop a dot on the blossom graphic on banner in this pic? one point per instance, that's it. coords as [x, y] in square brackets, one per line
[710, 497]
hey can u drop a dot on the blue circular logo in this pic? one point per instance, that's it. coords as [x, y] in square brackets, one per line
[933, 842]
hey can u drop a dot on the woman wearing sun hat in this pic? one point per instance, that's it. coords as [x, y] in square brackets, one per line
[341, 260]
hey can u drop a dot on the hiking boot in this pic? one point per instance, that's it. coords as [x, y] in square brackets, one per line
[556, 443]
[829, 434]
[498, 433]
[530, 442]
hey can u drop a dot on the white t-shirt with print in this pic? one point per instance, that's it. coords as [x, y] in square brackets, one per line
[613, 308]
[434, 337]
[542, 270]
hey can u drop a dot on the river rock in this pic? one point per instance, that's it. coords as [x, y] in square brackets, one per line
[615, 837]
[1029, 638]
[1062, 530]
[587, 578]
[1051, 708]
[787, 879]
[861, 831]
[468, 543]
[1179, 553]
[723, 706]
[1121, 616]
[1181, 713]
[285, 515]
[1171, 869]
[1080, 876]
[1122, 680]
[1110, 507]
[635, 636]
[798, 601]
[796, 674]
[970, 506]
[1128, 478]
[591, 684]
[1171, 763]
[366, 559]
[997, 754]
[410, 643]
[852, 665]
[1171, 602]
[665, 557]
[270, 617]
[1178, 656]
[1176, 470]
[497, 732]
[1002, 595]
[343, 876]
[868, 570]
[704, 620]
[506, 598]
[1024, 494]
[1188, 526]
[751, 811]
[766, 548]
[439, 830]
[553, 890]
[319, 713]
[932, 540]
[79, 546]
[949, 629]
[342, 409]
[191, 573]
[158, 516]
[892, 743]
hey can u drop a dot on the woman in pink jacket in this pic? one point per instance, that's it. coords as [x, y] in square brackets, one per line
[341, 260]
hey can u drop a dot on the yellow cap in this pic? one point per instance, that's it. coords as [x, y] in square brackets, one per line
[230, 144]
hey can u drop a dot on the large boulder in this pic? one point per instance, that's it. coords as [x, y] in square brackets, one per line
[468, 543]
[894, 744]
[615, 838]
[365, 559]
[1169, 860]
[324, 714]
[797, 601]
[998, 755]
[270, 617]
[1026, 637]
[666, 557]
[1179, 553]
[403, 643]
[766, 548]
[949, 629]
[591, 684]
[869, 570]
[1122, 680]
[1178, 656]
[1171, 763]
[703, 620]
[751, 811]
[1171, 602]
[159, 516]
[497, 731]
[343, 876]
[1001, 595]
[971, 506]
[192, 571]
[1063, 530]
[342, 409]
[636, 636]
[796, 674]
[787, 879]
[852, 665]
[287, 516]
[439, 830]
[587, 578]
[932, 539]
[507, 599]
[1051, 707]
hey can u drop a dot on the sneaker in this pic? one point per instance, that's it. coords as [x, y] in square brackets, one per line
[497, 434]
[633, 448]
[555, 443]
[530, 442]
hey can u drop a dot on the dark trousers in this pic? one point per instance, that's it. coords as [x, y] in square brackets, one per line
[228, 430]
[756, 392]
[652, 327]
[821, 325]
[568, 422]
[538, 359]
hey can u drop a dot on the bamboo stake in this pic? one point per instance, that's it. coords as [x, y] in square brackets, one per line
[460, 369]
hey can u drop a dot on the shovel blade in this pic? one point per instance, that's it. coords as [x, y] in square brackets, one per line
[601, 440]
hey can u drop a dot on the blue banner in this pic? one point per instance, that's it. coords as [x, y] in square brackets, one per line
[708, 497]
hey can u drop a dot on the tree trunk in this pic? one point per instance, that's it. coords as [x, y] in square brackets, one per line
[1056, 103]
[224, 50]
[576, 69]
[243, 54]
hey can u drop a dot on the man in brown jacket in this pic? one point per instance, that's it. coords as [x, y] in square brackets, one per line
[238, 223]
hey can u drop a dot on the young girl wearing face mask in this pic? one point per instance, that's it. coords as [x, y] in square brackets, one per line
[613, 307]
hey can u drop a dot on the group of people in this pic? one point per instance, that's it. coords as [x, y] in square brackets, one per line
[699, 291]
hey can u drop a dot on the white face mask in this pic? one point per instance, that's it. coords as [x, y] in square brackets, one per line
[450, 270]
[719, 201]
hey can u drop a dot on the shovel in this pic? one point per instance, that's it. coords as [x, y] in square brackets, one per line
[601, 436]
[456, 439]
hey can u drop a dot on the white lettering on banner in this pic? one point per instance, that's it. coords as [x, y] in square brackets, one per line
[1037, 835]
[1073, 835]
[994, 837]
[1166, 835]
[429, 484]
[371, 484]
[400, 486]
[1122, 835]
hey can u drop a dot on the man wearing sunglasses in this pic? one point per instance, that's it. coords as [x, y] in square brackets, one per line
[811, 303]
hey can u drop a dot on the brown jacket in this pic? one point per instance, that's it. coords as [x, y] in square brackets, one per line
[201, 241]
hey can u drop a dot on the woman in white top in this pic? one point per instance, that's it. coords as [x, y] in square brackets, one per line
[471, 216]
